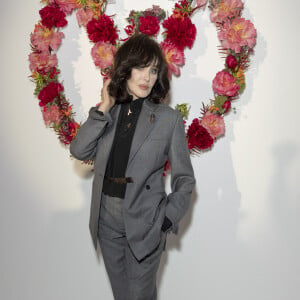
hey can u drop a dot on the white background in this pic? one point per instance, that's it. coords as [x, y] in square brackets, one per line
[240, 238]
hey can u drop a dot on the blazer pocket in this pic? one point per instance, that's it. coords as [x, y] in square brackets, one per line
[157, 210]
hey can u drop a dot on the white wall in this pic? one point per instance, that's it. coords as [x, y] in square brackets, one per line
[240, 237]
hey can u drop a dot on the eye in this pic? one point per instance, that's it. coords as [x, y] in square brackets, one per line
[154, 70]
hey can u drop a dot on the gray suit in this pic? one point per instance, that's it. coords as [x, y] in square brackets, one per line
[159, 135]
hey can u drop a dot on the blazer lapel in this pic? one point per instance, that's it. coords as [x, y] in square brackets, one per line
[145, 124]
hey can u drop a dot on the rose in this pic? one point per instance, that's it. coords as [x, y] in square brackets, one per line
[224, 84]
[231, 62]
[226, 105]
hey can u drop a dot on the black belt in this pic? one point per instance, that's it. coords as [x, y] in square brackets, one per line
[119, 179]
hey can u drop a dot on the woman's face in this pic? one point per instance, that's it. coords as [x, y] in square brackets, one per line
[142, 80]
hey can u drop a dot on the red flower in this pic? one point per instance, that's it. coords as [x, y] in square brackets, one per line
[198, 136]
[149, 25]
[226, 105]
[102, 30]
[231, 61]
[50, 92]
[68, 131]
[53, 17]
[180, 31]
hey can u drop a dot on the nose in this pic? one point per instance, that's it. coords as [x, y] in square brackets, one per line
[146, 74]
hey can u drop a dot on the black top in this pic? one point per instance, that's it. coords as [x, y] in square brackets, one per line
[118, 159]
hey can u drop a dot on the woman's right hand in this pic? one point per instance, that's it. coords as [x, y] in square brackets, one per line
[107, 102]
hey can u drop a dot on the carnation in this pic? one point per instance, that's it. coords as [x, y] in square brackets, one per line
[224, 84]
[103, 54]
[226, 9]
[214, 124]
[84, 16]
[174, 58]
[237, 34]
[42, 61]
[53, 17]
[49, 93]
[51, 115]
[149, 25]
[102, 30]
[43, 38]
[198, 136]
[181, 32]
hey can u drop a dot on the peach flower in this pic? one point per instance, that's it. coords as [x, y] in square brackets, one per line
[42, 61]
[226, 9]
[43, 38]
[174, 58]
[84, 16]
[66, 6]
[224, 84]
[214, 124]
[103, 54]
[51, 115]
[237, 34]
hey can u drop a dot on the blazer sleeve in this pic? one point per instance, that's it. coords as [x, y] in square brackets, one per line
[182, 175]
[84, 145]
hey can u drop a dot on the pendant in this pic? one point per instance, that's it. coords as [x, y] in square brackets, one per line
[129, 112]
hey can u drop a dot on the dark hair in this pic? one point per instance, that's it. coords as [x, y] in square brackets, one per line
[138, 50]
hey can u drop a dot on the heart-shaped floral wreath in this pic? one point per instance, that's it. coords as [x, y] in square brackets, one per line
[237, 37]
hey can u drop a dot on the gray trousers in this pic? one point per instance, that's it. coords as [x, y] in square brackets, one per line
[129, 278]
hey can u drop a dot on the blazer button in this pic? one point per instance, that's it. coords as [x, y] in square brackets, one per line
[147, 187]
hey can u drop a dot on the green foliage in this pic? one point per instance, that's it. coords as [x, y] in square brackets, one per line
[183, 109]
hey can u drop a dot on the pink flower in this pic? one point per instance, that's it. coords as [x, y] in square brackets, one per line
[42, 61]
[43, 38]
[214, 124]
[84, 16]
[226, 9]
[231, 62]
[51, 115]
[65, 5]
[103, 54]
[201, 3]
[224, 84]
[174, 57]
[237, 34]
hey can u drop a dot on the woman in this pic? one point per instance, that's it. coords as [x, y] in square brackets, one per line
[131, 135]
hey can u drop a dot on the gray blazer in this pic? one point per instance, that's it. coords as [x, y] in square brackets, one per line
[159, 135]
